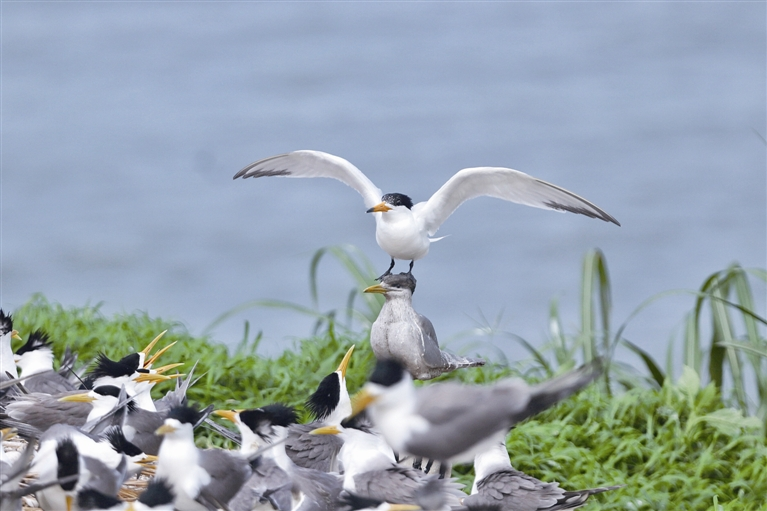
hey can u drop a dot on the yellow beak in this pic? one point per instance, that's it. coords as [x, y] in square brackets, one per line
[168, 367]
[230, 415]
[15, 335]
[381, 207]
[7, 433]
[361, 400]
[154, 358]
[150, 346]
[151, 377]
[326, 430]
[403, 507]
[345, 362]
[77, 398]
[164, 429]
[378, 288]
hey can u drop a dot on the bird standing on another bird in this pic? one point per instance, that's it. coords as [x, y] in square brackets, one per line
[496, 483]
[404, 229]
[400, 333]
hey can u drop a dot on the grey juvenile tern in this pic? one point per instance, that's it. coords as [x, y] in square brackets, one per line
[451, 422]
[401, 334]
[497, 483]
[404, 229]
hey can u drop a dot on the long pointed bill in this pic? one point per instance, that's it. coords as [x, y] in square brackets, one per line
[326, 430]
[148, 458]
[7, 433]
[150, 346]
[168, 367]
[378, 288]
[229, 415]
[345, 362]
[157, 355]
[69, 499]
[381, 207]
[151, 377]
[361, 400]
[77, 398]
[403, 507]
[15, 335]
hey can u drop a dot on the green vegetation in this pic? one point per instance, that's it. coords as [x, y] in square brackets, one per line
[674, 444]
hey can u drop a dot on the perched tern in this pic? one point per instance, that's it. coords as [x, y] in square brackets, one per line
[451, 422]
[329, 405]
[400, 333]
[198, 478]
[35, 360]
[7, 365]
[404, 229]
[497, 483]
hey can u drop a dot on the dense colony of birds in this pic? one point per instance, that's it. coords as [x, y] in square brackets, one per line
[94, 437]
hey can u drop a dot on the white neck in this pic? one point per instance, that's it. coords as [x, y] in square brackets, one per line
[178, 462]
[487, 462]
[394, 413]
[343, 409]
[35, 361]
[6, 357]
[363, 452]
[277, 453]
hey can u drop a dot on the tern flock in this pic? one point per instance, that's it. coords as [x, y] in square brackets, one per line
[94, 437]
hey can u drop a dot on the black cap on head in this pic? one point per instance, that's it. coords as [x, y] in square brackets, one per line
[68, 462]
[6, 323]
[325, 398]
[271, 415]
[36, 340]
[120, 443]
[387, 373]
[157, 493]
[400, 281]
[106, 367]
[185, 414]
[88, 499]
[398, 199]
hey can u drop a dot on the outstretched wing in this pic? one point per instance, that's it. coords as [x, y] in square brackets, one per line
[502, 183]
[315, 164]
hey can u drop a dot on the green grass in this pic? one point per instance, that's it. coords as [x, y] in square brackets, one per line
[675, 444]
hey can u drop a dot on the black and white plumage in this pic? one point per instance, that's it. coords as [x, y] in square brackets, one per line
[451, 422]
[35, 361]
[329, 405]
[402, 334]
[497, 483]
[198, 478]
[7, 333]
[404, 229]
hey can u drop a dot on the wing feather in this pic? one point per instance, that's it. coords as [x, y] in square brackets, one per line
[315, 164]
[502, 183]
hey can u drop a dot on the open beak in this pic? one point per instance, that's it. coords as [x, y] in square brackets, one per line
[152, 377]
[230, 415]
[152, 360]
[150, 346]
[378, 288]
[164, 429]
[325, 430]
[168, 367]
[361, 400]
[83, 397]
[345, 362]
[15, 335]
[379, 208]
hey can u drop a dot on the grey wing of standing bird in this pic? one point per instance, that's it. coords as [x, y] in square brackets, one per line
[402, 334]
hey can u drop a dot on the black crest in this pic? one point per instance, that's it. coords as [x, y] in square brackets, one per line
[88, 499]
[185, 414]
[400, 281]
[36, 340]
[6, 323]
[120, 443]
[270, 415]
[107, 367]
[157, 493]
[68, 462]
[398, 199]
[387, 373]
[325, 398]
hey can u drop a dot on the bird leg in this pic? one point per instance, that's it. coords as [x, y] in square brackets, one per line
[410, 270]
[444, 468]
[417, 463]
[428, 466]
[388, 272]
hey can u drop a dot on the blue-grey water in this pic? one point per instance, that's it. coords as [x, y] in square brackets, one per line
[123, 124]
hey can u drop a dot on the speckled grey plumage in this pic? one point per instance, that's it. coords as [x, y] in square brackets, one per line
[402, 334]
[513, 490]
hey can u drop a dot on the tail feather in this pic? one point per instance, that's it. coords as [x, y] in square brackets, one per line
[548, 393]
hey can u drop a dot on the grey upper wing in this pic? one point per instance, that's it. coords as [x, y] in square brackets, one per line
[396, 485]
[432, 355]
[318, 452]
[315, 164]
[228, 472]
[502, 183]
